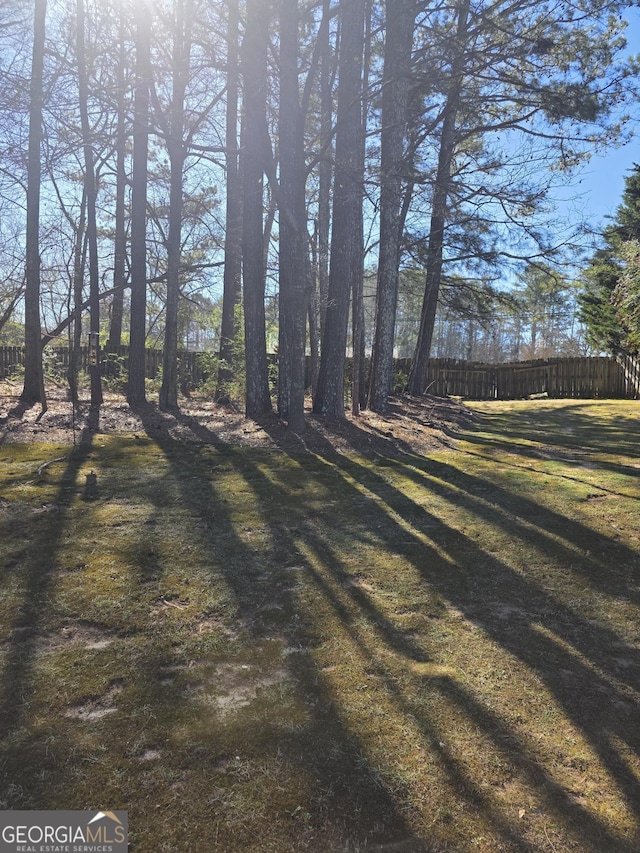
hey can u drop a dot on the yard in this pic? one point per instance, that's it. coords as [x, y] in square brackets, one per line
[389, 644]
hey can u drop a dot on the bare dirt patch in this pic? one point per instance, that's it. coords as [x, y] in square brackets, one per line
[411, 425]
[236, 686]
[97, 707]
[84, 634]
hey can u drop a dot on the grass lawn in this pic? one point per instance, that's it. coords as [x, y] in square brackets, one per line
[250, 650]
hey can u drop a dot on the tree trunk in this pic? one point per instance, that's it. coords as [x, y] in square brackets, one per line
[232, 277]
[293, 234]
[254, 66]
[136, 391]
[358, 364]
[79, 256]
[345, 245]
[33, 390]
[90, 192]
[120, 234]
[168, 399]
[314, 333]
[327, 71]
[417, 377]
[358, 376]
[400, 19]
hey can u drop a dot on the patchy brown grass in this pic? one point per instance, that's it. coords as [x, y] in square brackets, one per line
[290, 646]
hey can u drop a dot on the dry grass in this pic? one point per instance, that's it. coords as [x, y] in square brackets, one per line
[251, 649]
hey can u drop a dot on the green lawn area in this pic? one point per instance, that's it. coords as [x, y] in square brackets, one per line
[256, 651]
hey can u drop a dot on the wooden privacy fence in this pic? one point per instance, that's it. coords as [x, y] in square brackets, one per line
[557, 377]
[10, 359]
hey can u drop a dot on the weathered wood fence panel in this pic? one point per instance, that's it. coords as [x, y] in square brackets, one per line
[10, 358]
[630, 368]
[557, 377]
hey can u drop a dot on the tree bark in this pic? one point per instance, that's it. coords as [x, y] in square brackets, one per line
[90, 192]
[359, 367]
[417, 377]
[136, 391]
[254, 66]
[400, 20]
[33, 389]
[345, 246]
[120, 234]
[327, 72]
[79, 257]
[293, 233]
[168, 398]
[232, 277]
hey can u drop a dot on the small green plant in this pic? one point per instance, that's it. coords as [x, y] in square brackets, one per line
[114, 372]
[400, 381]
[52, 366]
[207, 367]
[16, 373]
[273, 375]
[223, 380]
[152, 386]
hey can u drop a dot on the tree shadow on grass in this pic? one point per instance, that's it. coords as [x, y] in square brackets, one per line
[347, 800]
[483, 584]
[17, 677]
[568, 433]
[513, 610]
[601, 560]
[587, 667]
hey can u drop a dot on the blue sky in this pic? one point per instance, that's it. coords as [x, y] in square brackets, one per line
[599, 184]
[596, 189]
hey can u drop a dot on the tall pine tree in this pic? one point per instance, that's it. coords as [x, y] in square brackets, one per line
[607, 285]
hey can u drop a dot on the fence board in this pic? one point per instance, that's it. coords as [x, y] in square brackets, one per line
[557, 377]
[583, 377]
